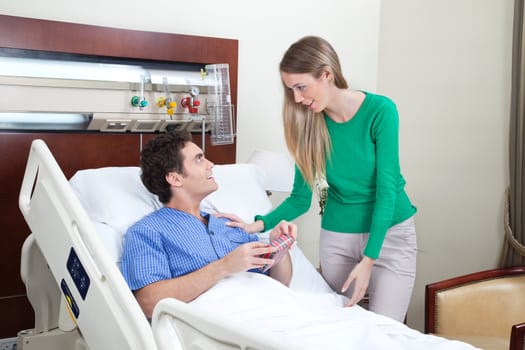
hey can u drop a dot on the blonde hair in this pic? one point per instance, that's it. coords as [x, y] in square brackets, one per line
[305, 132]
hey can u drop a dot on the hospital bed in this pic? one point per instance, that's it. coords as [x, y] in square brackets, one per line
[70, 266]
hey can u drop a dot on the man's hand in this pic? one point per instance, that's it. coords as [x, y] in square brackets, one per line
[246, 257]
[236, 221]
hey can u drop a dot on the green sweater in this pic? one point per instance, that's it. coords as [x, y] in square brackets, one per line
[366, 189]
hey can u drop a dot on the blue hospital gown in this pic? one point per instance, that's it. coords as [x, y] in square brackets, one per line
[170, 243]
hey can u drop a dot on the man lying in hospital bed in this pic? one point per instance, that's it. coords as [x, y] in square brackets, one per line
[242, 309]
[179, 251]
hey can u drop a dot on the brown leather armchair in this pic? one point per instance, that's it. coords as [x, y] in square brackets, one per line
[485, 309]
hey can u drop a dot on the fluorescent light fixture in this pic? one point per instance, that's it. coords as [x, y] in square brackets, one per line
[44, 121]
[27, 67]
[57, 69]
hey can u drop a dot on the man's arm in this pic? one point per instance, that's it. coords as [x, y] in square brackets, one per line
[190, 286]
[282, 271]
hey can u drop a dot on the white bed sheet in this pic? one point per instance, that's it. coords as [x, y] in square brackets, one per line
[263, 307]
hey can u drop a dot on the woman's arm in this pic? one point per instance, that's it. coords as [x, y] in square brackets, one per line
[295, 205]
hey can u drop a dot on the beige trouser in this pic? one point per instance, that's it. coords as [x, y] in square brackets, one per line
[393, 274]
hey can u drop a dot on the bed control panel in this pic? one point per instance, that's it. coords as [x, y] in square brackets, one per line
[78, 273]
[69, 298]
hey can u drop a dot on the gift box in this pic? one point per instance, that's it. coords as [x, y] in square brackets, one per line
[282, 244]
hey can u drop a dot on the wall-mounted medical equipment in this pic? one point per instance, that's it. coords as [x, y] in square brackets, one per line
[219, 104]
[191, 102]
[140, 101]
[116, 97]
[166, 100]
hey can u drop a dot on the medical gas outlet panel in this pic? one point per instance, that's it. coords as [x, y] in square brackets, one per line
[157, 108]
[149, 101]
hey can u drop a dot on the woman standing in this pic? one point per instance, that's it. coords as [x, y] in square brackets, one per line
[348, 139]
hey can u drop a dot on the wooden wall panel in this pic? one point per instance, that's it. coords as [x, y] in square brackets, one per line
[15, 311]
[75, 151]
[218, 154]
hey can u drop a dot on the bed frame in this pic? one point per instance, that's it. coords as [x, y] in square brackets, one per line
[62, 253]
[73, 285]
[81, 150]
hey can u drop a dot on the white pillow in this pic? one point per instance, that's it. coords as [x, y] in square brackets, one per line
[114, 196]
[111, 239]
[241, 192]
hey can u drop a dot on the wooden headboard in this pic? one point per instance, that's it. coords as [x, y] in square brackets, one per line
[81, 150]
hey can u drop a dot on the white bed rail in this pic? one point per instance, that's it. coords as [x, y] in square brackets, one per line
[98, 298]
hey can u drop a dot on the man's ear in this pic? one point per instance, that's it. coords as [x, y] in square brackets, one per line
[174, 179]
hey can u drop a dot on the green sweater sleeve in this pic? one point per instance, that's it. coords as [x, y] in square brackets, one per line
[384, 132]
[295, 205]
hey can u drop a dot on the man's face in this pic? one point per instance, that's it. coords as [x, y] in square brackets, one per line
[197, 176]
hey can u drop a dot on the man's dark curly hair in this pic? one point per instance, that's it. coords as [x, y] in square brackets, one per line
[159, 157]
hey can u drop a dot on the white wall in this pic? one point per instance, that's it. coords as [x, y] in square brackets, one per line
[447, 64]
[264, 30]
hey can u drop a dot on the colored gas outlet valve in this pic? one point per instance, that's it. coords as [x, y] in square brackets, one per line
[171, 107]
[168, 103]
[191, 104]
[136, 101]
[161, 101]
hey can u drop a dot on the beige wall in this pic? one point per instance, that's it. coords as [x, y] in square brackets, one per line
[447, 64]
[264, 30]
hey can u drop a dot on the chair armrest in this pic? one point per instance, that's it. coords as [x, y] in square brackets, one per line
[432, 290]
[516, 337]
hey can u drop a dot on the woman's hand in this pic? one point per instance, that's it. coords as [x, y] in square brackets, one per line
[236, 221]
[360, 275]
[282, 271]
[284, 227]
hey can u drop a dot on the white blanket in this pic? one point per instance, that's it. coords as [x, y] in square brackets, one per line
[264, 307]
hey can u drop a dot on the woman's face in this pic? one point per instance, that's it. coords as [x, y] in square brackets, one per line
[308, 90]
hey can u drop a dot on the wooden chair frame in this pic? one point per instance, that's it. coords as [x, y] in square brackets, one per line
[517, 331]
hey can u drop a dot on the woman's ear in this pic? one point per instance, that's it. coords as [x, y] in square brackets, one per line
[328, 75]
